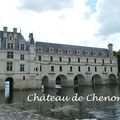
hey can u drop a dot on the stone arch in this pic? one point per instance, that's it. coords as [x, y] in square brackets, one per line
[79, 80]
[45, 82]
[61, 80]
[96, 79]
[112, 79]
[9, 86]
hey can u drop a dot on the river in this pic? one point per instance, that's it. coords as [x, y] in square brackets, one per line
[97, 109]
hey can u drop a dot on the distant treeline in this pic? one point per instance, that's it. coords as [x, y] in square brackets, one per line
[117, 54]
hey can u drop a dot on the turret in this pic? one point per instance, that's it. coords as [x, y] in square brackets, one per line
[110, 48]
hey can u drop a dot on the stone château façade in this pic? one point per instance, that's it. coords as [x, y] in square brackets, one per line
[30, 64]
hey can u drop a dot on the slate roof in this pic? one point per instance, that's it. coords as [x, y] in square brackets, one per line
[56, 47]
[45, 48]
[17, 41]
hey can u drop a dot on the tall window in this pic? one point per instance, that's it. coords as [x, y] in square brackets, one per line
[69, 59]
[23, 77]
[10, 55]
[111, 69]
[10, 45]
[110, 61]
[78, 60]
[60, 68]
[39, 57]
[21, 57]
[52, 68]
[70, 68]
[22, 46]
[94, 60]
[105, 69]
[60, 59]
[86, 60]
[79, 68]
[40, 68]
[95, 69]
[103, 61]
[9, 66]
[51, 58]
[88, 69]
[21, 67]
[36, 69]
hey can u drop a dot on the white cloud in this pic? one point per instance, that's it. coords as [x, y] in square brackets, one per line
[109, 16]
[67, 25]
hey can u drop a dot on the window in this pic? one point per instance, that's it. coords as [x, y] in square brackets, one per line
[111, 69]
[78, 52]
[78, 60]
[40, 49]
[60, 59]
[79, 68]
[104, 69]
[22, 68]
[95, 69]
[51, 50]
[103, 61]
[89, 69]
[21, 57]
[9, 66]
[9, 54]
[51, 58]
[52, 68]
[40, 68]
[69, 52]
[60, 51]
[70, 68]
[10, 45]
[110, 61]
[69, 59]
[22, 46]
[86, 53]
[39, 57]
[60, 68]
[94, 60]
[86, 60]
[23, 77]
[36, 69]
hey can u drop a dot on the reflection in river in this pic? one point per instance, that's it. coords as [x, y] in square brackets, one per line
[83, 109]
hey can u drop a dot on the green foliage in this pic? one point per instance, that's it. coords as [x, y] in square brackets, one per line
[117, 54]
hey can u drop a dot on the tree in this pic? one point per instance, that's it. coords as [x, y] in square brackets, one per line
[117, 54]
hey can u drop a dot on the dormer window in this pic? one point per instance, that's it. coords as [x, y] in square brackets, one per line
[10, 45]
[102, 54]
[51, 50]
[78, 52]
[94, 53]
[69, 52]
[60, 51]
[40, 49]
[86, 53]
[22, 47]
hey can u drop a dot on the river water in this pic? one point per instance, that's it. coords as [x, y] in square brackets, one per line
[81, 110]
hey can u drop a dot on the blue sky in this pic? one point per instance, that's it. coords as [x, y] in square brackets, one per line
[92, 4]
[80, 22]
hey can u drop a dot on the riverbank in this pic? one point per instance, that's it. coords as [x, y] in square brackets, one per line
[15, 112]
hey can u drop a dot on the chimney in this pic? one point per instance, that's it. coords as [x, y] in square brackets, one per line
[15, 33]
[31, 38]
[5, 29]
[15, 30]
[5, 32]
